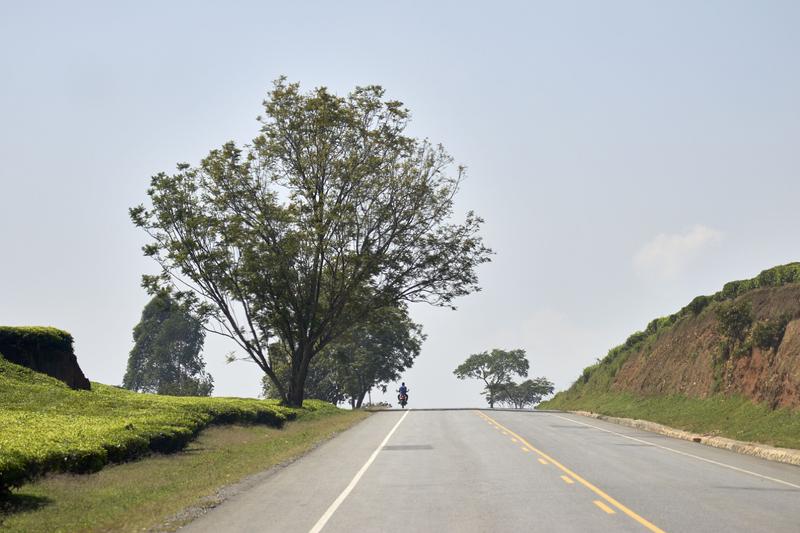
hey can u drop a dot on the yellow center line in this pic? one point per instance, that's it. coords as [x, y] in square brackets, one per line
[567, 480]
[524, 449]
[604, 507]
[541, 460]
[513, 440]
[652, 527]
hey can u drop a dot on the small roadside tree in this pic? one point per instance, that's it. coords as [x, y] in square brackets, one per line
[329, 215]
[377, 352]
[495, 369]
[166, 358]
[528, 393]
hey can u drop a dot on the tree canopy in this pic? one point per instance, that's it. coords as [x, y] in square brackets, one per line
[165, 358]
[330, 214]
[495, 369]
[370, 355]
[525, 394]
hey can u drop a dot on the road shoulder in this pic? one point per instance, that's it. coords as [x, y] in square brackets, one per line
[762, 451]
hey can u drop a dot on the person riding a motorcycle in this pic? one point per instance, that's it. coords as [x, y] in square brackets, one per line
[403, 396]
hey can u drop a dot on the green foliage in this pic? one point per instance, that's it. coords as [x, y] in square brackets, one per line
[735, 319]
[322, 381]
[495, 369]
[734, 417]
[34, 338]
[773, 277]
[734, 324]
[699, 303]
[150, 494]
[331, 213]
[525, 394]
[165, 358]
[370, 355]
[768, 334]
[45, 426]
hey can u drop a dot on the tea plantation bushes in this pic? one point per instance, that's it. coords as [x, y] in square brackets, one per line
[44, 349]
[47, 427]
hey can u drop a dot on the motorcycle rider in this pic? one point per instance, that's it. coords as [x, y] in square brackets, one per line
[403, 391]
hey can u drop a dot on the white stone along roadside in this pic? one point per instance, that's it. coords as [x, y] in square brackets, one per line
[764, 451]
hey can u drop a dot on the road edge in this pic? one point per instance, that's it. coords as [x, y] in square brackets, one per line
[189, 514]
[762, 451]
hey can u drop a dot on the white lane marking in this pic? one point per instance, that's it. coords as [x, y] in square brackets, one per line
[673, 450]
[353, 482]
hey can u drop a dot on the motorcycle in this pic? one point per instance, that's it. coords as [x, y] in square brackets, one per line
[403, 399]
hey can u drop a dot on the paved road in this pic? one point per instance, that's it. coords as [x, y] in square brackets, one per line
[490, 471]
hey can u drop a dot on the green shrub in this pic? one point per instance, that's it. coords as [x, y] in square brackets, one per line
[634, 340]
[33, 339]
[47, 427]
[587, 373]
[735, 319]
[768, 334]
[735, 325]
[697, 305]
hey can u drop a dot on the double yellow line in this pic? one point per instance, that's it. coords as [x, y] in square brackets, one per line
[649, 525]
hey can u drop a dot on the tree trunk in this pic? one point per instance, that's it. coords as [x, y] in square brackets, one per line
[300, 361]
[360, 400]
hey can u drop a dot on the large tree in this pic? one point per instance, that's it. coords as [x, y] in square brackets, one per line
[495, 369]
[166, 358]
[323, 381]
[370, 355]
[329, 215]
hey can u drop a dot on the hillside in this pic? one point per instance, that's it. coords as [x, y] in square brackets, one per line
[45, 426]
[728, 363]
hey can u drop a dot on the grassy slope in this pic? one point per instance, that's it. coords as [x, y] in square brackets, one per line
[732, 417]
[45, 426]
[142, 494]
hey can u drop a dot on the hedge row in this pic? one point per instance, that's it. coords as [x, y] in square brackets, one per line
[47, 427]
[34, 338]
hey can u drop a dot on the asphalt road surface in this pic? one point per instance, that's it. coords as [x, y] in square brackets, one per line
[470, 471]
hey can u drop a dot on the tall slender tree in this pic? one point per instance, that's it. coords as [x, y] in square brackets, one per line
[329, 215]
[166, 358]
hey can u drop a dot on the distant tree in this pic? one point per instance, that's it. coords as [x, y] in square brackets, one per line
[165, 358]
[525, 394]
[370, 355]
[330, 214]
[376, 353]
[495, 369]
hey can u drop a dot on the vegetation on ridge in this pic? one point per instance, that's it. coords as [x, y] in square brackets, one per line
[598, 377]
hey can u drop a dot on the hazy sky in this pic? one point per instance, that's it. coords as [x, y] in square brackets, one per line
[627, 156]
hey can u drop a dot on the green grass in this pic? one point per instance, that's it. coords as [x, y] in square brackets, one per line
[142, 494]
[733, 417]
[47, 427]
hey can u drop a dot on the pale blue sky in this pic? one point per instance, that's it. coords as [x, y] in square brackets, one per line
[626, 156]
